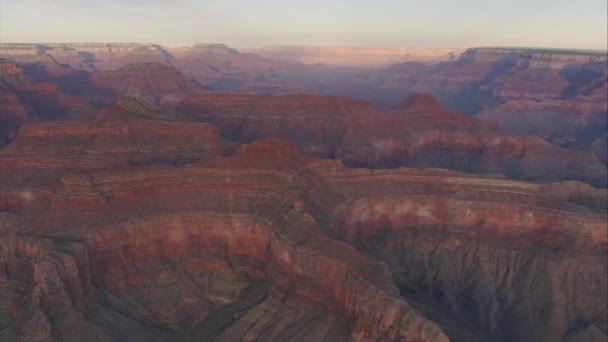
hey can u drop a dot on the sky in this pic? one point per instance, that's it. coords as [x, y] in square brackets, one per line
[580, 24]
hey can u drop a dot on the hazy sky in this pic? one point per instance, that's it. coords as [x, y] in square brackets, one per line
[249, 23]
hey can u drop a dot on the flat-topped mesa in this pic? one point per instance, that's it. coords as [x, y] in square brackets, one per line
[86, 57]
[536, 58]
[362, 57]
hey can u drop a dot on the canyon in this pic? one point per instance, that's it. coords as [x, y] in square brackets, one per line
[419, 133]
[559, 95]
[150, 193]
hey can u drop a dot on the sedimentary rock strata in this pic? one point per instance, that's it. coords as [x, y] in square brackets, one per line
[158, 220]
[271, 244]
[420, 132]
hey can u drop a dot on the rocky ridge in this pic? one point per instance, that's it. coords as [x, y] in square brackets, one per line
[419, 133]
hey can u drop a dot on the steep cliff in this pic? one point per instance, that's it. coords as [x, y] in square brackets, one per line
[559, 95]
[22, 98]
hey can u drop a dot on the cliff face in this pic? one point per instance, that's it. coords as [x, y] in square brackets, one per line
[117, 136]
[163, 84]
[487, 264]
[270, 244]
[101, 71]
[22, 98]
[418, 133]
[219, 249]
[559, 95]
[85, 57]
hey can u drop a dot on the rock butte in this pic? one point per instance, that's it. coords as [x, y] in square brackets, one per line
[270, 244]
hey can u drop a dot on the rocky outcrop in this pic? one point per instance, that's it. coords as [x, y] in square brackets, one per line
[117, 136]
[12, 114]
[163, 84]
[44, 100]
[183, 247]
[271, 244]
[22, 98]
[86, 57]
[481, 275]
[420, 132]
[559, 95]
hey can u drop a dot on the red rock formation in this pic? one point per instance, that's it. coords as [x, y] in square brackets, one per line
[22, 98]
[43, 99]
[164, 84]
[559, 95]
[418, 133]
[131, 224]
[579, 193]
[12, 114]
[223, 68]
[215, 225]
[235, 248]
[499, 262]
[113, 137]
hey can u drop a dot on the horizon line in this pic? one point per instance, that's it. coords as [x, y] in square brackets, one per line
[193, 45]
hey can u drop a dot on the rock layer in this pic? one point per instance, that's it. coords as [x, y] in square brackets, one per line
[210, 216]
[559, 95]
[271, 244]
[420, 132]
